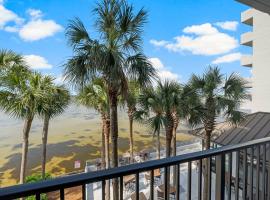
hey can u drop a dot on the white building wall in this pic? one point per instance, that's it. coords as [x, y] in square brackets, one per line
[260, 64]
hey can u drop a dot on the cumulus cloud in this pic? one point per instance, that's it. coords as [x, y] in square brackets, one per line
[37, 62]
[228, 58]
[228, 25]
[8, 16]
[34, 29]
[201, 39]
[39, 29]
[162, 71]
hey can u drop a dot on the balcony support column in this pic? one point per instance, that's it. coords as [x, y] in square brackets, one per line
[220, 177]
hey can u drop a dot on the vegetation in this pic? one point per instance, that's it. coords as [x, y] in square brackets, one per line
[131, 100]
[218, 95]
[95, 96]
[36, 178]
[116, 57]
[56, 99]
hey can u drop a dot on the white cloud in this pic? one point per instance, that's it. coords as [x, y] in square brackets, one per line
[162, 71]
[204, 29]
[34, 13]
[11, 29]
[228, 58]
[37, 62]
[201, 40]
[228, 25]
[7, 16]
[39, 29]
[35, 29]
[159, 43]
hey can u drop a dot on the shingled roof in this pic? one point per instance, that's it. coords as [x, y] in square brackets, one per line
[255, 126]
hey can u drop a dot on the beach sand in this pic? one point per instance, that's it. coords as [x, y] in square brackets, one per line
[73, 136]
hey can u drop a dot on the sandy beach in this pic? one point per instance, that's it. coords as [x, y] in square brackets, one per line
[73, 136]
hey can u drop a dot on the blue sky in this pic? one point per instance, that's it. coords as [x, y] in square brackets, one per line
[181, 37]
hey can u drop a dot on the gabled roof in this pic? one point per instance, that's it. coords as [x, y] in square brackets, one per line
[255, 126]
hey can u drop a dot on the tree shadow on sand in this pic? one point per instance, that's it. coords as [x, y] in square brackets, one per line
[61, 150]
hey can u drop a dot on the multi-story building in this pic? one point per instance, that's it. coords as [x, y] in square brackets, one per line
[259, 61]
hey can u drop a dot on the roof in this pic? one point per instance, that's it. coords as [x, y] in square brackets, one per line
[255, 126]
[262, 5]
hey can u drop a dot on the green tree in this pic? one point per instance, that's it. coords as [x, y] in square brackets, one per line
[56, 99]
[116, 57]
[20, 95]
[95, 96]
[219, 95]
[131, 100]
[151, 112]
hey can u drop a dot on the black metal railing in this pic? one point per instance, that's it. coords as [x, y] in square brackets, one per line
[235, 172]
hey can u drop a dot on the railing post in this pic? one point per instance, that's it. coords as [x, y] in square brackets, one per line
[220, 177]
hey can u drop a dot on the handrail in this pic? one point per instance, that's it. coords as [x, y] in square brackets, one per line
[90, 177]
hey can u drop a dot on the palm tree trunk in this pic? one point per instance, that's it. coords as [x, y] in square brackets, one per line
[114, 138]
[206, 167]
[107, 154]
[130, 117]
[44, 145]
[174, 153]
[103, 162]
[26, 130]
[158, 144]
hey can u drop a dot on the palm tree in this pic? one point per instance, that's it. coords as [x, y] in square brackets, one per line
[9, 58]
[169, 92]
[151, 112]
[219, 95]
[116, 57]
[19, 96]
[131, 102]
[95, 96]
[56, 99]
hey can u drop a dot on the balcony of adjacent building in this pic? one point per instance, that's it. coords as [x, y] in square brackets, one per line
[247, 39]
[247, 60]
[247, 17]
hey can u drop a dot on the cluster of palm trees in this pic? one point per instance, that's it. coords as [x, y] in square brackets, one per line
[113, 70]
[25, 94]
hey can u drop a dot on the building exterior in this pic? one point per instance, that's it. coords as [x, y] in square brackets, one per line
[259, 61]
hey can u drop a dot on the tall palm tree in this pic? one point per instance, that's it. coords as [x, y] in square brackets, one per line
[116, 57]
[56, 99]
[95, 96]
[20, 95]
[219, 95]
[131, 102]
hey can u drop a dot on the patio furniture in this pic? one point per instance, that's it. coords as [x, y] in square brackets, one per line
[157, 176]
[141, 196]
[129, 182]
[160, 191]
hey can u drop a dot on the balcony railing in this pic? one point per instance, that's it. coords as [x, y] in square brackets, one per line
[240, 171]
